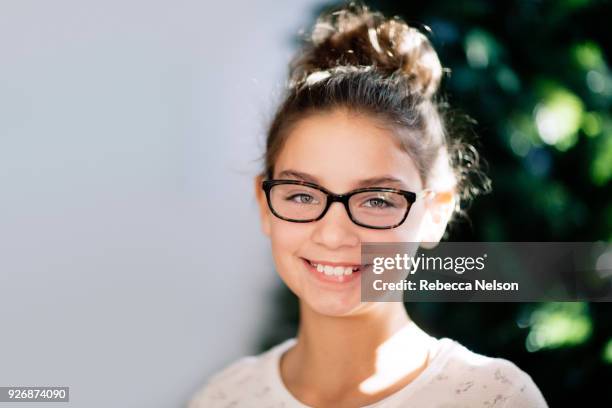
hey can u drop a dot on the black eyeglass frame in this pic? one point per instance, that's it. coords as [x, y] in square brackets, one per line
[410, 197]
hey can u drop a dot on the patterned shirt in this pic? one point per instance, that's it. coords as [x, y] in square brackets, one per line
[455, 377]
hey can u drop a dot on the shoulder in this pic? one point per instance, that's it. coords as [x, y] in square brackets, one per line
[236, 380]
[495, 380]
[216, 389]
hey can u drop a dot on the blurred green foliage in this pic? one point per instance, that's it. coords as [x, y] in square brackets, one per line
[536, 77]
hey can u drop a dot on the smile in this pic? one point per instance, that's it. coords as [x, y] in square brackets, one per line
[337, 270]
[333, 272]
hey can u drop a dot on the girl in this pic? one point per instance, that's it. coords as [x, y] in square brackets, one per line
[359, 119]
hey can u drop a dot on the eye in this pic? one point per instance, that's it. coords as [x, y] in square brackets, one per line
[379, 200]
[302, 198]
[378, 203]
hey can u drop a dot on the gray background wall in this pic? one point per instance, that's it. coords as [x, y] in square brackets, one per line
[131, 261]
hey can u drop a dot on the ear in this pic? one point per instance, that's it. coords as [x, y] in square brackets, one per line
[439, 208]
[264, 211]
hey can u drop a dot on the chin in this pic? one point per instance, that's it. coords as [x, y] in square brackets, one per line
[334, 307]
[321, 297]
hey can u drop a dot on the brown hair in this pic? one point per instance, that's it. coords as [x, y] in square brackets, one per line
[359, 60]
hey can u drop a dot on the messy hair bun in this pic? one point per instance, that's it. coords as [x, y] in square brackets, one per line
[357, 37]
[358, 59]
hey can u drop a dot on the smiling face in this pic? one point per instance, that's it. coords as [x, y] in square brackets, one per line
[337, 150]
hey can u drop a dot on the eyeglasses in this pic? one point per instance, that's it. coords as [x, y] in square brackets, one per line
[372, 207]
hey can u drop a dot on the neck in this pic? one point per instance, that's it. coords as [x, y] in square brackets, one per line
[369, 349]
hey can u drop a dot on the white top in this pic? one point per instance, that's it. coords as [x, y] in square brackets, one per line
[454, 377]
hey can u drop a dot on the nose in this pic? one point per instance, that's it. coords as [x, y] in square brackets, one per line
[335, 229]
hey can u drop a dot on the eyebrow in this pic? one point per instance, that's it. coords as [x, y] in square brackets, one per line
[378, 181]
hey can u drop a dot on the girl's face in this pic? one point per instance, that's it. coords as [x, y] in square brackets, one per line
[339, 151]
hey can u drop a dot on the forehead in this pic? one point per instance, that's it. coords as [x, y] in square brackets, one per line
[341, 148]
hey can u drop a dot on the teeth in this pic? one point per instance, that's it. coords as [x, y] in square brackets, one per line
[335, 271]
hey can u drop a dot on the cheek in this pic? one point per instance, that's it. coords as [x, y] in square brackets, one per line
[287, 239]
[410, 230]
